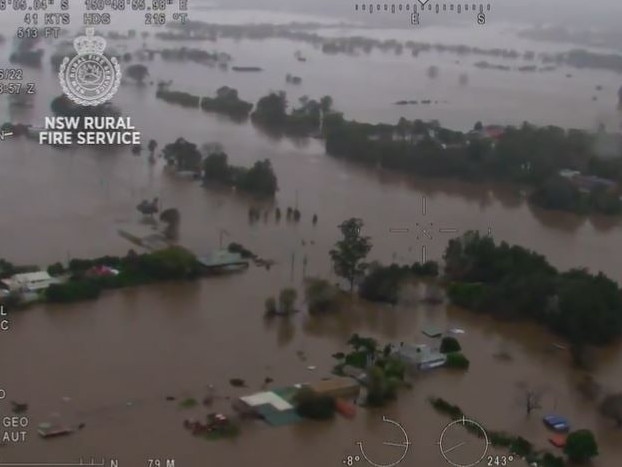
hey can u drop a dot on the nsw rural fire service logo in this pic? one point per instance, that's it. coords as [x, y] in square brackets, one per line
[90, 78]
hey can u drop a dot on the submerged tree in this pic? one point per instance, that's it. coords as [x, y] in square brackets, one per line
[138, 72]
[172, 218]
[350, 252]
[530, 397]
[153, 144]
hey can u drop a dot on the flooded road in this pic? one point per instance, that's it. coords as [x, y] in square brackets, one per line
[111, 363]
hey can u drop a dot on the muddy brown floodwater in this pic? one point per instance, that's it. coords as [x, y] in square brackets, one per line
[111, 363]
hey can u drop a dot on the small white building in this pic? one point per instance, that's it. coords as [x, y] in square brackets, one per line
[30, 281]
[420, 357]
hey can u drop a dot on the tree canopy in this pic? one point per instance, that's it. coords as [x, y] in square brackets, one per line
[513, 282]
[260, 179]
[350, 252]
[184, 155]
[581, 446]
[138, 72]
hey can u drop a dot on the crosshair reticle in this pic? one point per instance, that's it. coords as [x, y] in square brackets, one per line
[424, 230]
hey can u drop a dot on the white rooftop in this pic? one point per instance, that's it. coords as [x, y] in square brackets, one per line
[31, 277]
[263, 398]
[30, 280]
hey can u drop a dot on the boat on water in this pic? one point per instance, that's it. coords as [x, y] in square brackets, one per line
[51, 430]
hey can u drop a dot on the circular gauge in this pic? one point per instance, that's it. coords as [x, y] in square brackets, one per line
[464, 443]
[398, 447]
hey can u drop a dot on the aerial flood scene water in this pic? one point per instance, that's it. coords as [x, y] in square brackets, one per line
[278, 232]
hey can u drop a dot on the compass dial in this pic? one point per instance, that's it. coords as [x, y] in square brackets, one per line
[394, 448]
[464, 443]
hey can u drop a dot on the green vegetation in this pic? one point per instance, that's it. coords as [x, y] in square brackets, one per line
[188, 403]
[512, 282]
[287, 300]
[385, 373]
[183, 155]
[561, 194]
[138, 72]
[383, 283]
[306, 119]
[528, 155]
[228, 103]
[285, 305]
[174, 263]
[427, 269]
[270, 306]
[172, 218]
[184, 99]
[581, 446]
[350, 252]
[384, 379]
[321, 296]
[62, 106]
[515, 444]
[73, 291]
[314, 406]
[259, 179]
[56, 269]
[450, 344]
[457, 361]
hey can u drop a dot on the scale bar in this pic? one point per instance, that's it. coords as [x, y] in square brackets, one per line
[53, 464]
[49, 464]
[448, 230]
[399, 230]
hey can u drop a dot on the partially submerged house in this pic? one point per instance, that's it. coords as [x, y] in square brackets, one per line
[274, 407]
[26, 287]
[29, 282]
[222, 260]
[419, 356]
[588, 183]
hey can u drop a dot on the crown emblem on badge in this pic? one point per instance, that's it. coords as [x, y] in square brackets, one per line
[89, 43]
[90, 78]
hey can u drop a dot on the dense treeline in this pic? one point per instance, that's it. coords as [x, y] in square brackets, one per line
[173, 263]
[305, 120]
[512, 282]
[526, 155]
[530, 155]
[226, 102]
[383, 283]
[260, 179]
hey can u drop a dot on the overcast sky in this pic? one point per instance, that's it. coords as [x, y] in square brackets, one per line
[585, 13]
